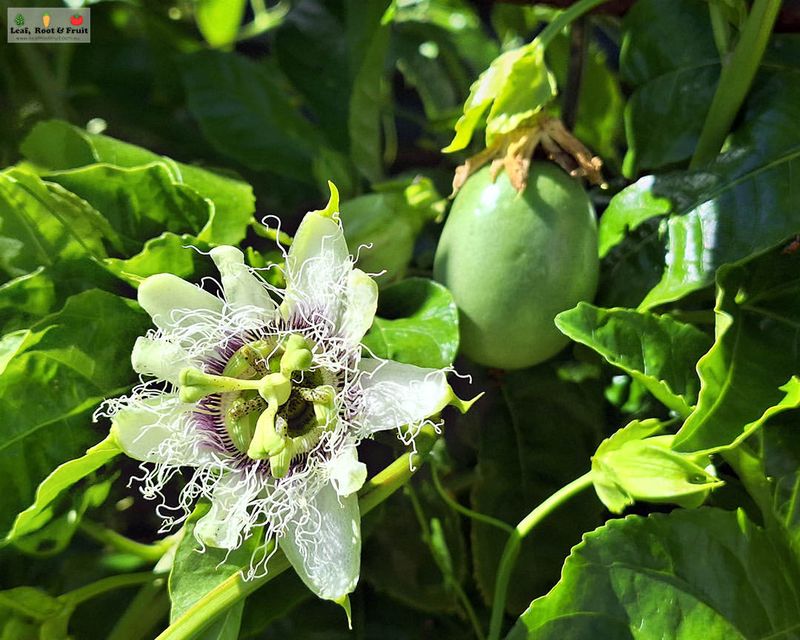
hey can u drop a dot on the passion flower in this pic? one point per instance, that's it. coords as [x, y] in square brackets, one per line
[265, 395]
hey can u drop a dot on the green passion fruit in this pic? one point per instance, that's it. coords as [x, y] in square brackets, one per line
[513, 261]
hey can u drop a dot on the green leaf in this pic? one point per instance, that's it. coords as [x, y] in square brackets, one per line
[196, 569]
[389, 222]
[658, 351]
[29, 295]
[80, 357]
[219, 20]
[57, 145]
[668, 55]
[740, 207]
[417, 324]
[42, 224]
[168, 253]
[534, 439]
[708, 574]
[245, 114]
[756, 353]
[139, 202]
[61, 479]
[64, 517]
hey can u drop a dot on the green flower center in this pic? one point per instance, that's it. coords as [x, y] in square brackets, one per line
[274, 406]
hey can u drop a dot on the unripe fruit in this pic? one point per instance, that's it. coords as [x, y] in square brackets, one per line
[513, 261]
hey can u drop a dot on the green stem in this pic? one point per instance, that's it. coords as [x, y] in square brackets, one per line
[735, 80]
[95, 589]
[103, 535]
[233, 589]
[749, 469]
[272, 234]
[511, 550]
[566, 17]
[720, 27]
[145, 611]
[456, 506]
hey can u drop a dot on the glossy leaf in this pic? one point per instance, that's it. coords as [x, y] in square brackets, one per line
[658, 351]
[80, 357]
[668, 55]
[388, 224]
[42, 225]
[533, 440]
[641, 577]
[57, 145]
[61, 479]
[417, 323]
[138, 202]
[756, 353]
[254, 121]
[741, 206]
[168, 253]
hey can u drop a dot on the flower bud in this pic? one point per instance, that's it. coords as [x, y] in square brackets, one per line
[634, 464]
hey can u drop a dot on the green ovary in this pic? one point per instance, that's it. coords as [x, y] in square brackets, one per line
[268, 411]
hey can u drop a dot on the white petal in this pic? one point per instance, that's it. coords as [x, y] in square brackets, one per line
[242, 288]
[151, 430]
[325, 547]
[397, 394]
[317, 267]
[167, 298]
[346, 472]
[222, 526]
[159, 358]
[361, 301]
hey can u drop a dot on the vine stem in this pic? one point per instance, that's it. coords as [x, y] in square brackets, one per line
[230, 591]
[103, 535]
[735, 80]
[511, 550]
[565, 18]
[90, 591]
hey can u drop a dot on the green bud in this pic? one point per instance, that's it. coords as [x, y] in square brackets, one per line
[634, 464]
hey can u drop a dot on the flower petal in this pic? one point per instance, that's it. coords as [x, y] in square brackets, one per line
[317, 267]
[242, 288]
[361, 301]
[323, 544]
[397, 394]
[159, 358]
[150, 430]
[346, 472]
[222, 526]
[162, 294]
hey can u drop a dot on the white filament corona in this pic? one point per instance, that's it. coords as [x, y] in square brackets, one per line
[311, 510]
